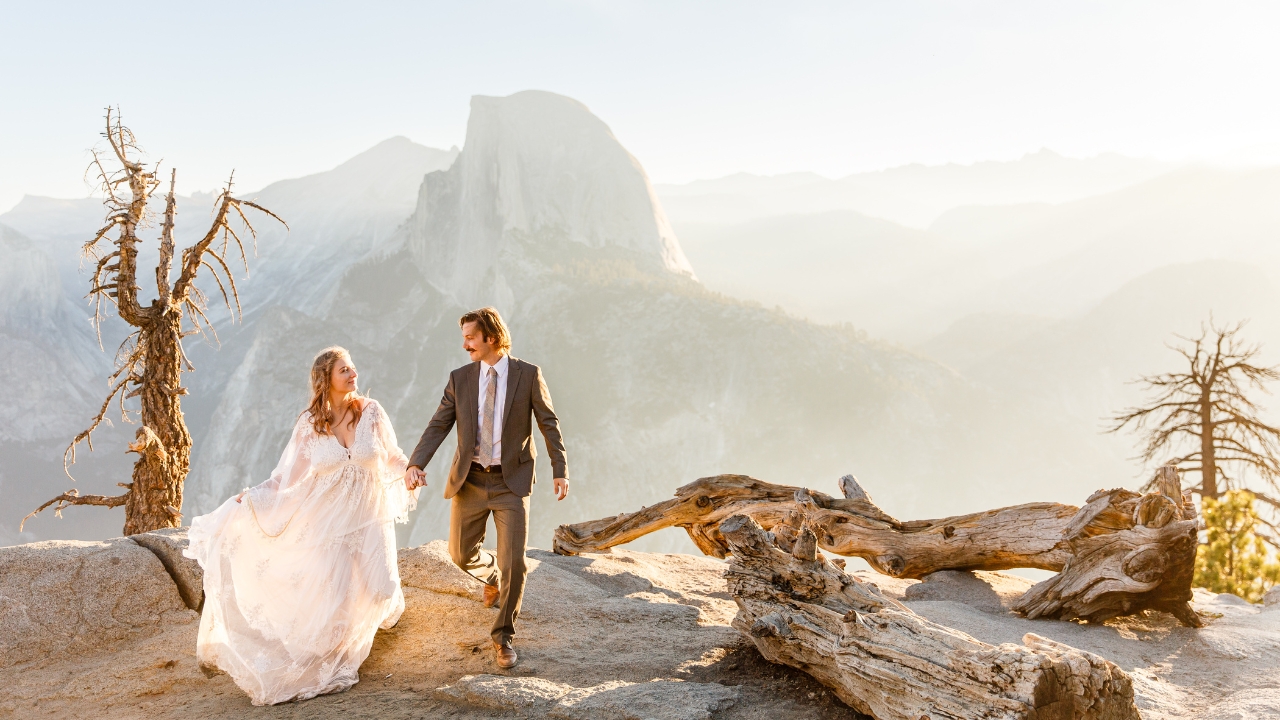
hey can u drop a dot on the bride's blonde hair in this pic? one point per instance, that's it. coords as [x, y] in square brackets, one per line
[321, 407]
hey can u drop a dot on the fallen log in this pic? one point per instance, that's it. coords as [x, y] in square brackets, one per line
[884, 660]
[1128, 553]
[1122, 553]
[1019, 536]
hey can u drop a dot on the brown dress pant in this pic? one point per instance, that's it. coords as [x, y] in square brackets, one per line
[481, 494]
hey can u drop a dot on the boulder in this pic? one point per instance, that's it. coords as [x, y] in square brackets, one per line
[168, 544]
[1271, 597]
[494, 692]
[65, 596]
[993, 592]
[429, 567]
[656, 700]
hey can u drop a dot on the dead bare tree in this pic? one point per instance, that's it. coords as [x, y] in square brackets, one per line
[150, 361]
[1204, 417]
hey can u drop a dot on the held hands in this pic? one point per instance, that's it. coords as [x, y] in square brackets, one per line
[561, 488]
[414, 478]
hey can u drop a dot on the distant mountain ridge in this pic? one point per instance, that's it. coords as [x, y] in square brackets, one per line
[911, 195]
[335, 218]
[1061, 259]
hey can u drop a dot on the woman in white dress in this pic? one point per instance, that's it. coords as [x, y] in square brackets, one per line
[300, 571]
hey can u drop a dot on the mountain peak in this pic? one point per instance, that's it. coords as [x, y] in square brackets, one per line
[536, 166]
[395, 152]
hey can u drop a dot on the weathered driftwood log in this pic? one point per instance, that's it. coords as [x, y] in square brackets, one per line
[1111, 550]
[1020, 536]
[886, 661]
[1128, 553]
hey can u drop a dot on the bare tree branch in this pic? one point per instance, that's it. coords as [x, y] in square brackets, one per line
[73, 497]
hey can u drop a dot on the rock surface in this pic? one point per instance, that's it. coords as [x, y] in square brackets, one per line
[429, 567]
[596, 632]
[989, 591]
[656, 700]
[167, 545]
[68, 597]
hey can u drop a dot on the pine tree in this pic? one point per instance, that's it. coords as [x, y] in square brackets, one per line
[1233, 558]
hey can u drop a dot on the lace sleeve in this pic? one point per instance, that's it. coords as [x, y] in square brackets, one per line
[275, 501]
[392, 463]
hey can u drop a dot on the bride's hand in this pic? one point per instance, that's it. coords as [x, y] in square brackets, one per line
[240, 496]
[413, 478]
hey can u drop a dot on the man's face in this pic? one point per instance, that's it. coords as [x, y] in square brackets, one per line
[476, 346]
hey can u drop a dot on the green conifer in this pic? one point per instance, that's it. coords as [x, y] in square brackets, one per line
[1233, 558]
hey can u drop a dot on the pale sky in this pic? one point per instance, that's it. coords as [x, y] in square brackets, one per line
[693, 89]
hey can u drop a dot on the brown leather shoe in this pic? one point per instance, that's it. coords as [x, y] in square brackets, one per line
[505, 655]
[491, 594]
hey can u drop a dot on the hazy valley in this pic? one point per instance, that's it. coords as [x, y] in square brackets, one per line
[952, 335]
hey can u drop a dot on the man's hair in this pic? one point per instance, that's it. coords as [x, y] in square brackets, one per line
[490, 325]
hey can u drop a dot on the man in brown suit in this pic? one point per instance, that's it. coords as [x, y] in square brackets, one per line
[492, 400]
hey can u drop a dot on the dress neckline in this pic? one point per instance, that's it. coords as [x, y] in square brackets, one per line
[363, 412]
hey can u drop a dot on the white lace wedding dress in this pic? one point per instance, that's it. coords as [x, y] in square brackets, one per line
[300, 575]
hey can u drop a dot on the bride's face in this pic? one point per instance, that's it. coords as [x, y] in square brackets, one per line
[343, 378]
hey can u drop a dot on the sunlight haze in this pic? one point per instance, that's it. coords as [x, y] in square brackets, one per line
[694, 90]
[909, 360]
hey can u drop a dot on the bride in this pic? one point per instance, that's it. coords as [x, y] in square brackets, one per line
[300, 571]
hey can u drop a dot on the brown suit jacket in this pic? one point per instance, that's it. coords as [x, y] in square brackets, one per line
[527, 398]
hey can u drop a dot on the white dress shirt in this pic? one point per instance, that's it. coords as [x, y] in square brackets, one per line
[498, 401]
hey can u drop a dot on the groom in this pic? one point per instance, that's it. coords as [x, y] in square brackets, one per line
[492, 400]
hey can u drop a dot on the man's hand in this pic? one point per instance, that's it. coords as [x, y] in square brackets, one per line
[414, 478]
[561, 488]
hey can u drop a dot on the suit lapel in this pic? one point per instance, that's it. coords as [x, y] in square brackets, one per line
[471, 395]
[513, 380]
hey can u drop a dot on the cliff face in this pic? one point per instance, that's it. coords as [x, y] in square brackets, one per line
[535, 164]
[46, 346]
[30, 291]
